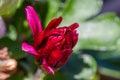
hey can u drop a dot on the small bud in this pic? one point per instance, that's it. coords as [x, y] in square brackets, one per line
[7, 64]
[4, 76]
[4, 53]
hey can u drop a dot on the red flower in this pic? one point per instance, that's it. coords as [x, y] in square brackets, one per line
[52, 46]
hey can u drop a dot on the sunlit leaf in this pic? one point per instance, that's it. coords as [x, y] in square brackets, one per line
[101, 33]
[8, 7]
[12, 34]
[53, 8]
[110, 72]
[87, 72]
[73, 10]
[79, 10]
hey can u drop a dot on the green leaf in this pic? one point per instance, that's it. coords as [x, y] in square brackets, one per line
[17, 76]
[12, 34]
[8, 7]
[14, 48]
[101, 33]
[72, 10]
[87, 72]
[76, 10]
[109, 72]
[108, 62]
[53, 10]
[28, 64]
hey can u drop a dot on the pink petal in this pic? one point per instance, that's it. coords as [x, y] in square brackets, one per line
[29, 49]
[33, 20]
[47, 68]
[54, 23]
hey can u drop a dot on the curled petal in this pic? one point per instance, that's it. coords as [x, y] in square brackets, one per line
[47, 68]
[75, 37]
[69, 43]
[33, 20]
[54, 57]
[54, 23]
[74, 26]
[49, 45]
[38, 39]
[64, 59]
[74, 33]
[29, 49]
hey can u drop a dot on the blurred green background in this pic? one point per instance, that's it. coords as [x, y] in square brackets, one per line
[95, 57]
